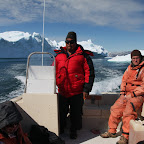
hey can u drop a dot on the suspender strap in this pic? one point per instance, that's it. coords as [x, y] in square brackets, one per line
[134, 94]
[139, 71]
[133, 106]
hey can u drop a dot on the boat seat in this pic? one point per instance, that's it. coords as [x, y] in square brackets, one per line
[137, 128]
[41, 79]
[142, 113]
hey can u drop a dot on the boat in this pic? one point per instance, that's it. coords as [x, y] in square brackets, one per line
[39, 106]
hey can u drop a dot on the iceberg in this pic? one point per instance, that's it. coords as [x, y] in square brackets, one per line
[124, 58]
[18, 44]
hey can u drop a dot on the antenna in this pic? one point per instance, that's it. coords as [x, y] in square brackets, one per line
[43, 31]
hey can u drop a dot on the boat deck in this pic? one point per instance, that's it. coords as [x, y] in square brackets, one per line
[87, 137]
[37, 109]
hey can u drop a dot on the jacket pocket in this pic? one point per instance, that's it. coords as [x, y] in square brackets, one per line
[60, 80]
[78, 81]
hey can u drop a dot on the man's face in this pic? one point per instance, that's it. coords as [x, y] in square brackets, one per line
[136, 60]
[11, 129]
[70, 45]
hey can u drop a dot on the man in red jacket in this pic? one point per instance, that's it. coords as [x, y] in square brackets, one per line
[130, 100]
[74, 78]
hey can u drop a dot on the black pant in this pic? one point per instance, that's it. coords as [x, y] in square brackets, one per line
[74, 106]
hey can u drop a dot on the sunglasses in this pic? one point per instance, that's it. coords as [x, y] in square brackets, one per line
[71, 42]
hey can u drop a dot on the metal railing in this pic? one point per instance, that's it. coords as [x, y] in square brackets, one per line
[27, 68]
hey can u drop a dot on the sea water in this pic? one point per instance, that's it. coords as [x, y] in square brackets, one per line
[12, 78]
[108, 77]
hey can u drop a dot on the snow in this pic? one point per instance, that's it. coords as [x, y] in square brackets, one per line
[125, 58]
[18, 44]
[88, 45]
[13, 36]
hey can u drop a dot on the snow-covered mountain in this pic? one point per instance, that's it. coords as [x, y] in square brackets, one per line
[16, 44]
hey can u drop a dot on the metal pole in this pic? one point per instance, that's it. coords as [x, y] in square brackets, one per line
[43, 31]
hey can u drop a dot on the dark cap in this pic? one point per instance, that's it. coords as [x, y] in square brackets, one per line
[136, 53]
[72, 35]
[9, 114]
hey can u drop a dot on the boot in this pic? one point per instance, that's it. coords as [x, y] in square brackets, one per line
[108, 135]
[61, 131]
[73, 134]
[122, 140]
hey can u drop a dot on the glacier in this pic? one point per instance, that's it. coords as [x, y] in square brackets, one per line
[18, 44]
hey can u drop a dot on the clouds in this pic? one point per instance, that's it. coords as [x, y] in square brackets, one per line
[124, 14]
[19, 11]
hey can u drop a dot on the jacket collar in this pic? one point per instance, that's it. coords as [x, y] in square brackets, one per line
[79, 50]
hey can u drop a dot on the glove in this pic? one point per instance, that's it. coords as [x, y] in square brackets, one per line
[85, 95]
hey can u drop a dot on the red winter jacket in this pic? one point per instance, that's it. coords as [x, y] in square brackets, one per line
[21, 138]
[74, 73]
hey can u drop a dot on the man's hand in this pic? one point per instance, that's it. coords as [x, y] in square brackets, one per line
[122, 99]
[85, 95]
[125, 98]
[128, 97]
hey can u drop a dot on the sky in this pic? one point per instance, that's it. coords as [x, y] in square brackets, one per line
[117, 25]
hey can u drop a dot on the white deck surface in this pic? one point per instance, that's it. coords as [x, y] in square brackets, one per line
[87, 137]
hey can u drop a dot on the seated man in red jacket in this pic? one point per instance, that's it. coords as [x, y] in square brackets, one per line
[74, 78]
[10, 129]
[130, 100]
